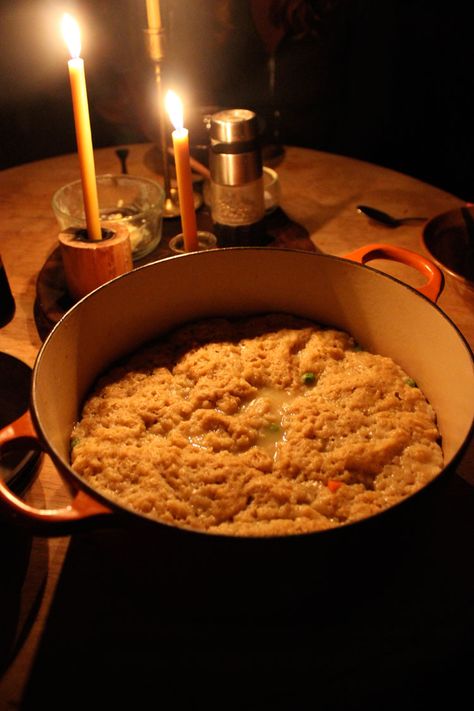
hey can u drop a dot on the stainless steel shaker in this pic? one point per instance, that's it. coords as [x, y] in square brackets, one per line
[237, 195]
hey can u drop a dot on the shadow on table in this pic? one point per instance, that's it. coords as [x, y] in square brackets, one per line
[384, 623]
[21, 588]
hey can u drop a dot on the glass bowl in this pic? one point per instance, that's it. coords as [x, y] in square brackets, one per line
[131, 200]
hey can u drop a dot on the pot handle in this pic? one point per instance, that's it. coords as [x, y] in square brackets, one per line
[83, 511]
[433, 287]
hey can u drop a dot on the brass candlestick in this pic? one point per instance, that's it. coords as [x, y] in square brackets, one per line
[155, 44]
[155, 40]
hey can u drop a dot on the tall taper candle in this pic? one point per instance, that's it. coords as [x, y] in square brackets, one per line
[153, 14]
[83, 128]
[183, 172]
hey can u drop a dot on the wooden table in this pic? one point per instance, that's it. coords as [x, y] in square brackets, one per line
[320, 191]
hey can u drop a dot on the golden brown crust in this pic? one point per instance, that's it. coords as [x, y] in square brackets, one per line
[219, 427]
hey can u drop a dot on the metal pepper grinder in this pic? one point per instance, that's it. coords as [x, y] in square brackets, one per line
[235, 162]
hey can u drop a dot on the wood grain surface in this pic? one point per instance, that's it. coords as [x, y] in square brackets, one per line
[320, 192]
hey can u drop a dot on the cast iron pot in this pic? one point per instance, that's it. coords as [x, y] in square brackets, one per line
[449, 240]
[383, 314]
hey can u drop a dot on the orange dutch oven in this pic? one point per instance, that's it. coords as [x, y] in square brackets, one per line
[383, 314]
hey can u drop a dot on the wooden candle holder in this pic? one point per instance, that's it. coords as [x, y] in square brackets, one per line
[89, 263]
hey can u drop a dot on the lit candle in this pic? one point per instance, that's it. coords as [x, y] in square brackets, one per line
[183, 172]
[153, 14]
[83, 128]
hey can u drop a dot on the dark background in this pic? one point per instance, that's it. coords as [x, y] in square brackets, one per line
[380, 617]
[142, 623]
[388, 81]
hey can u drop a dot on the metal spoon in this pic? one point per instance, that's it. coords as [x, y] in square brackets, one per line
[122, 155]
[385, 218]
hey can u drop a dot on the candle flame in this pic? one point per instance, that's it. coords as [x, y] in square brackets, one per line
[72, 35]
[174, 108]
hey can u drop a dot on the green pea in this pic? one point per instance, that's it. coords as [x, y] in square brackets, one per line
[411, 382]
[308, 378]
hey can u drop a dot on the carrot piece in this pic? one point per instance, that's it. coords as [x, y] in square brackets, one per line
[334, 485]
